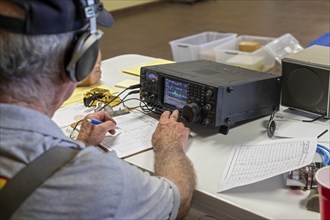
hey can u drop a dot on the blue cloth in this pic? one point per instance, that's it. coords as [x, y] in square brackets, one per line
[324, 40]
[95, 185]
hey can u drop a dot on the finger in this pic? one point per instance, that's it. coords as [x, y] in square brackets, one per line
[113, 132]
[102, 116]
[175, 115]
[108, 118]
[99, 115]
[108, 125]
[165, 115]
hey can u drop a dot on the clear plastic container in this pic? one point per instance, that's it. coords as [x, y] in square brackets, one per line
[261, 59]
[198, 46]
[283, 46]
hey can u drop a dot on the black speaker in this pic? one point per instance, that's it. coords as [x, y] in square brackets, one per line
[306, 80]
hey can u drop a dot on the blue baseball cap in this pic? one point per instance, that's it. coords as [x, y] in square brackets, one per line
[56, 16]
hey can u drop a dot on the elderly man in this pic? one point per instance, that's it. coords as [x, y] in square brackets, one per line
[48, 47]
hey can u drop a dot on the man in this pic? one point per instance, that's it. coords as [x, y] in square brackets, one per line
[38, 71]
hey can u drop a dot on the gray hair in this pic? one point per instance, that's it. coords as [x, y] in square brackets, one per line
[31, 66]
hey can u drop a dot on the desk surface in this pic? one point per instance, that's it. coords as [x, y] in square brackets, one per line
[209, 152]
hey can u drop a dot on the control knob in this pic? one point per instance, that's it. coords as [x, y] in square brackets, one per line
[191, 112]
[209, 93]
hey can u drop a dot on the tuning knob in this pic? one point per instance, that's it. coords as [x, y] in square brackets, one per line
[191, 112]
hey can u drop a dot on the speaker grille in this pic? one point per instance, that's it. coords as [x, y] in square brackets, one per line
[305, 87]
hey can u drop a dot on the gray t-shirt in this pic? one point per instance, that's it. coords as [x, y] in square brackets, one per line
[96, 185]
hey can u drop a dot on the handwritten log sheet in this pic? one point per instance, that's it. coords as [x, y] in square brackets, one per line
[252, 162]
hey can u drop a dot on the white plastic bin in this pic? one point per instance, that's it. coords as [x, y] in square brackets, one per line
[198, 46]
[261, 59]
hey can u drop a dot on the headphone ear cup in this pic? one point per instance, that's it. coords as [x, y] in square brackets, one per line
[87, 62]
[81, 56]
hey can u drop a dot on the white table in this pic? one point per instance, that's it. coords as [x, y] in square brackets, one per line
[209, 151]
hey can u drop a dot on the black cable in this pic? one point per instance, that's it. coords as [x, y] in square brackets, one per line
[130, 93]
[145, 108]
[89, 101]
[312, 120]
[128, 88]
[140, 101]
[320, 135]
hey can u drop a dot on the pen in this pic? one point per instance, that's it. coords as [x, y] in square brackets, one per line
[94, 121]
[97, 122]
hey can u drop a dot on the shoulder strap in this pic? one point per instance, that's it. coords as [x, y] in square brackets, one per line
[31, 177]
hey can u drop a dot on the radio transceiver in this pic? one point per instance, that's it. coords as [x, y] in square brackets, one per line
[210, 93]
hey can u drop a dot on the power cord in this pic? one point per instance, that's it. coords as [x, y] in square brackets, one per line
[312, 120]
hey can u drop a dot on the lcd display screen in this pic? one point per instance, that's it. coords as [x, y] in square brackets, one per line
[153, 77]
[175, 93]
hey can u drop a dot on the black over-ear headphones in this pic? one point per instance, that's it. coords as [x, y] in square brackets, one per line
[82, 54]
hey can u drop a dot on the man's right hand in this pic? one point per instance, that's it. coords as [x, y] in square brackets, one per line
[170, 134]
[168, 141]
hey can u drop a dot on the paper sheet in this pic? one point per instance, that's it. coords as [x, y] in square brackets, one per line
[135, 131]
[252, 162]
[136, 69]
